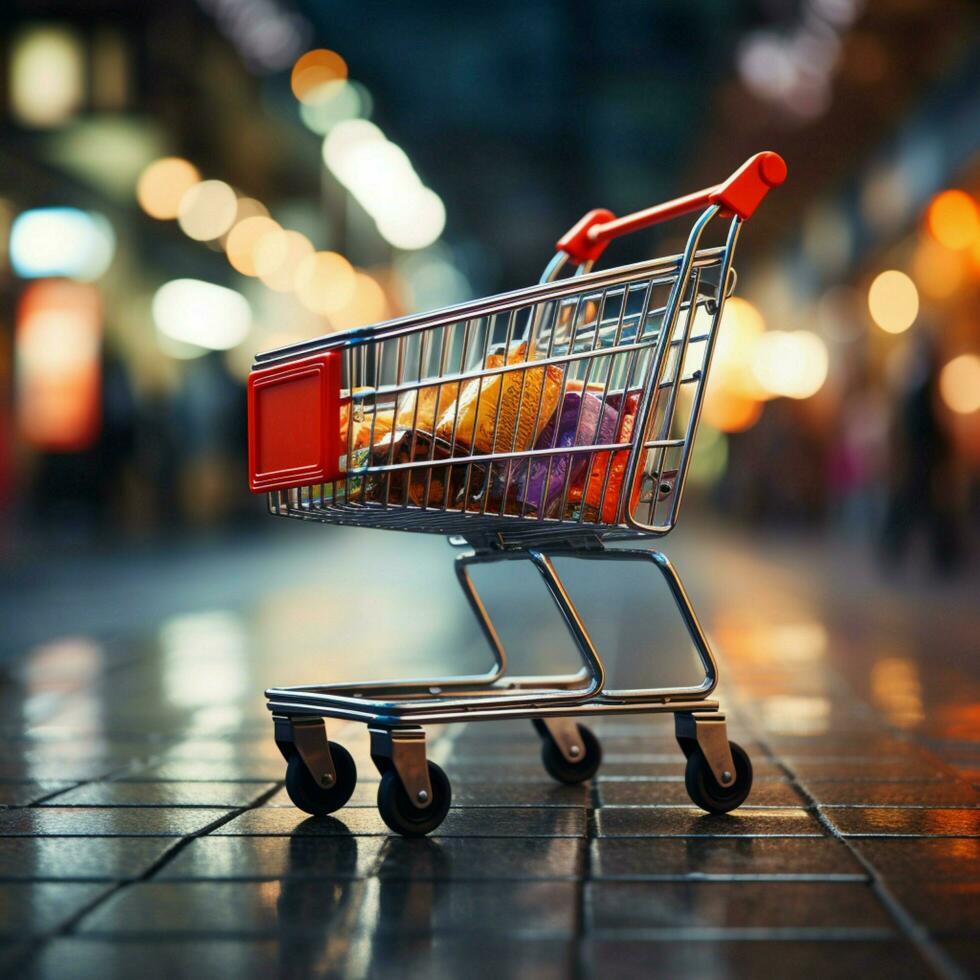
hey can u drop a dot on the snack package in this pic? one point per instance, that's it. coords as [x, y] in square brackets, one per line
[582, 414]
[364, 414]
[432, 401]
[521, 393]
[409, 486]
[346, 408]
[355, 484]
[616, 468]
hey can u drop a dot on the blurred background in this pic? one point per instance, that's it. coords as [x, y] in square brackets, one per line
[184, 184]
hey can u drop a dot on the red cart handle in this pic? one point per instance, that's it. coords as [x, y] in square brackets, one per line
[741, 194]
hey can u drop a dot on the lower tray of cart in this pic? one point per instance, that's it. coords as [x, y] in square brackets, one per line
[526, 529]
[431, 704]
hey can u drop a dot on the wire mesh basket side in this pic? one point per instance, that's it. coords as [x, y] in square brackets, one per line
[570, 370]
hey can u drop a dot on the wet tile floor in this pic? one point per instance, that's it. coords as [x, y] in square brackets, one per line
[144, 829]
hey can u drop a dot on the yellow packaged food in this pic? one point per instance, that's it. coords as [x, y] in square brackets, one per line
[428, 409]
[527, 400]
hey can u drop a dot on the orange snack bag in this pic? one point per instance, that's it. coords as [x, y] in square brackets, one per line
[429, 408]
[474, 412]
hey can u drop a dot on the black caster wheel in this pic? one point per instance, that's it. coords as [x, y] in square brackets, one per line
[560, 768]
[402, 816]
[312, 798]
[706, 792]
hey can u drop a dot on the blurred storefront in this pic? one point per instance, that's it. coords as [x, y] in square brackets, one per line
[182, 185]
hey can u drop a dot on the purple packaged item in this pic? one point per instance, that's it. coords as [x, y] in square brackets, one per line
[573, 430]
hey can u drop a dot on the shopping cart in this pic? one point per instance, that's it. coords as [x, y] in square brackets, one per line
[539, 424]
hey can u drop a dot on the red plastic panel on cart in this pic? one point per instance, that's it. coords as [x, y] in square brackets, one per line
[294, 423]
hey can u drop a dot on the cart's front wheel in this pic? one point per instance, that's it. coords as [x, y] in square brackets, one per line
[402, 815]
[707, 792]
[581, 769]
[308, 795]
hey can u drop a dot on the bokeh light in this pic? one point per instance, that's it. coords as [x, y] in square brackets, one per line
[47, 75]
[381, 178]
[243, 239]
[249, 207]
[959, 384]
[207, 210]
[324, 282]
[201, 314]
[730, 412]
[314, 70]
[277, 256]
[738, 336]
[893, 301]
[162, 185]
[417, 222]
[953, 219]
[367, 305]
[61, 242]
[57, 348]
[733, 401]
[335, 103]
[938, 274]
[791, 364]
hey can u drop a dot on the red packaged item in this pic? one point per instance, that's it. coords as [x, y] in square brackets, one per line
[616, 469]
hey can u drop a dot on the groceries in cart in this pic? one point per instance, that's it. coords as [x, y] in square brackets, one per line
[510, 407]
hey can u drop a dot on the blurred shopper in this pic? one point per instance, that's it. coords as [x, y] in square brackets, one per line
[922, 485]
[858, 457]
[210, 427]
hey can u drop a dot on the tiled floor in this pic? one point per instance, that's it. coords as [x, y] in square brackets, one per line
[144, 830]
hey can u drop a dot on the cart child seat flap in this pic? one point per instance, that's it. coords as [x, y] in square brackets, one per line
[294, 423]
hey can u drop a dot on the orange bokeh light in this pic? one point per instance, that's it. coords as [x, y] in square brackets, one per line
[368, 304]
[163, 183]
[937, 273]
[278, 255]
[58, 343]
[728, 411]
[314, 70]
[244, 239]
[953, 219]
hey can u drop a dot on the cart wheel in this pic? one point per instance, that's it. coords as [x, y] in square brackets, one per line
[312, 798]
[707, 792]
[571, 772]
[402, 816]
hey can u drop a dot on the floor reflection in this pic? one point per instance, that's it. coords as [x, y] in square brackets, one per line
[859, 702]
[319, 922]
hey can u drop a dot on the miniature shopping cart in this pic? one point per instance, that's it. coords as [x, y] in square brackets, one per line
[539, 424]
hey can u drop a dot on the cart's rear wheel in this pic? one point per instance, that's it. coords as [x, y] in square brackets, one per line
[707, 792]
[560, 768]
[402, 816]
[308, 795]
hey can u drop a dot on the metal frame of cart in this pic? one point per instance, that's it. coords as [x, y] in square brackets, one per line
[640, 336]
